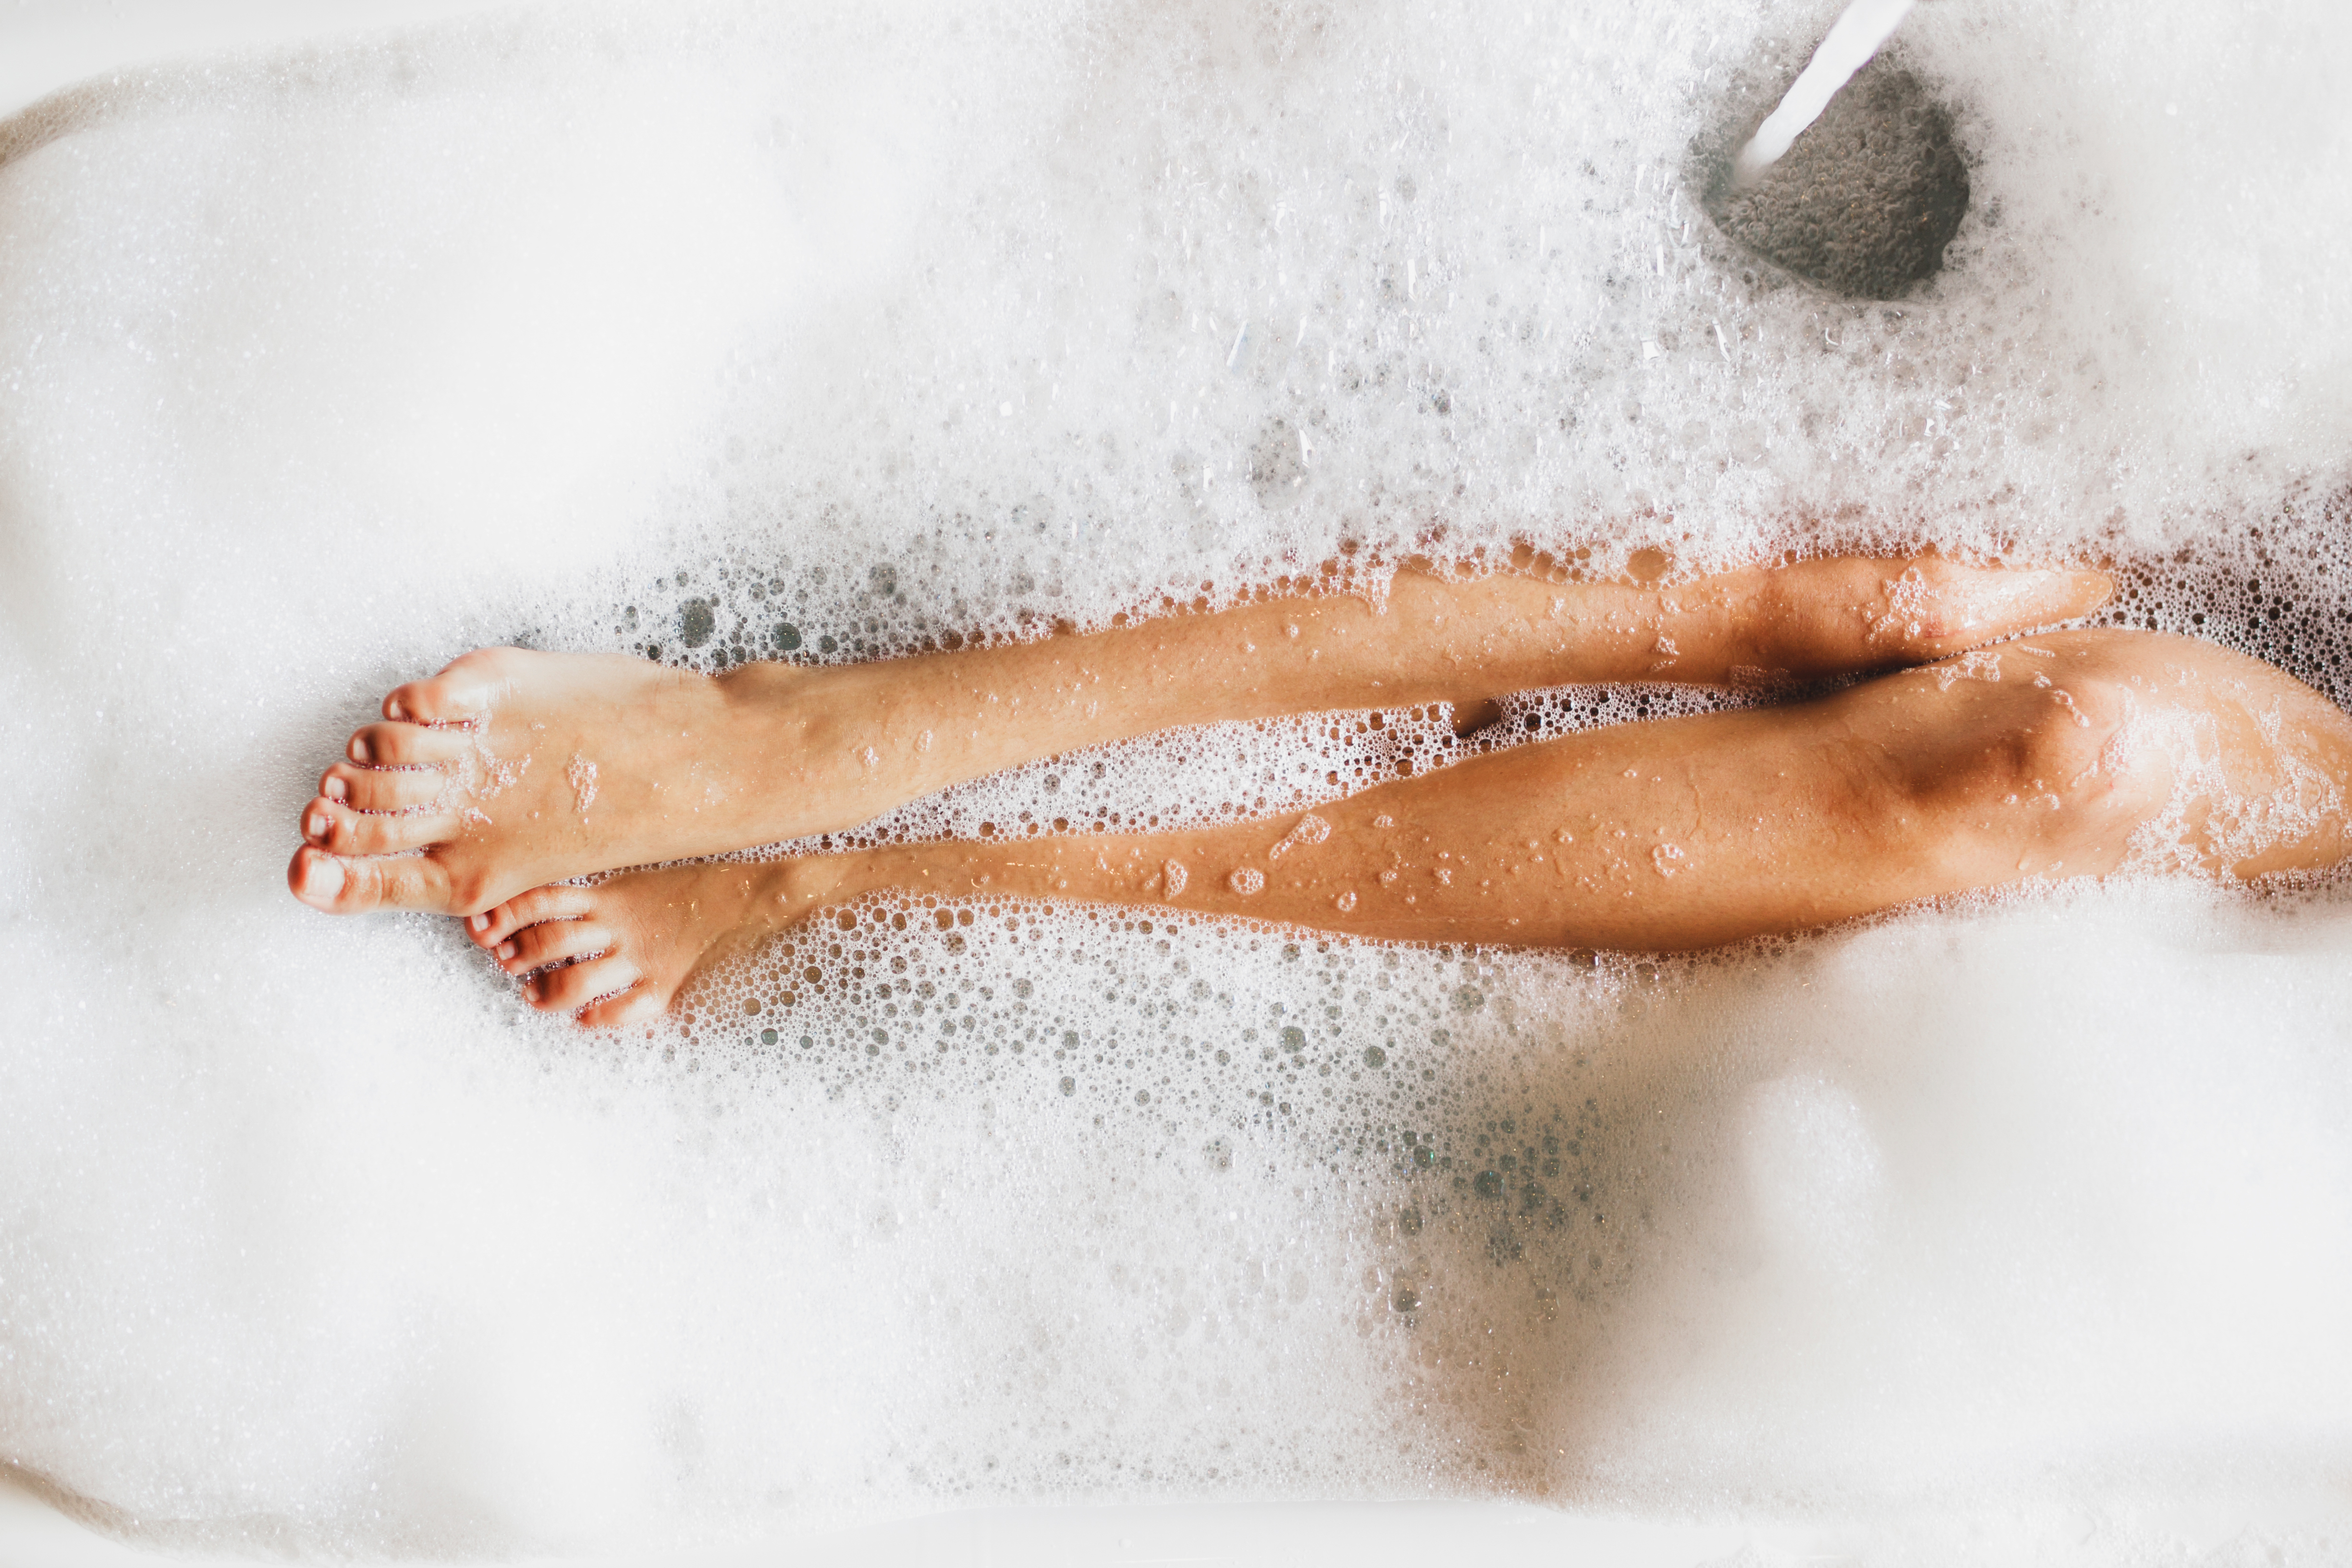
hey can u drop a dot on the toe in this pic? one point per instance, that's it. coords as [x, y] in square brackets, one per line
[575, 985]
[459, 694]
[551, 941]
[559, 902]
[348, 832]
[317, 879]
[403, 881]
[383, 789]
[406, 745]
[348, 886]
[637, 1004]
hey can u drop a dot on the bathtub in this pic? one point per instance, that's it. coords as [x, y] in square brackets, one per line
[53, 48]
[1803, 1127]
[1237, 1534]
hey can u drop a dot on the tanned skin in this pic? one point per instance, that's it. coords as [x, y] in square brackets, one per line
[511, 769]
[487, 787]
[2059, 756]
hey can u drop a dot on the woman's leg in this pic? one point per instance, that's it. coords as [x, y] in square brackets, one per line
[2066, 756]
[512, 769]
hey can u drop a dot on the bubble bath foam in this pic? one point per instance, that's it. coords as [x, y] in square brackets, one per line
[836, 330]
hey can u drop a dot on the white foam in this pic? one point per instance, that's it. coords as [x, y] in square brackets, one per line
[867, 325]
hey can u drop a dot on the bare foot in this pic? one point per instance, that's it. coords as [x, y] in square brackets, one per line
[511, 769]
[620, 951]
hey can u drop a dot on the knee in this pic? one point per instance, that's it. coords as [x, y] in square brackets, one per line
[2258, 767]
[2065, 747]
[2041, 761]
[2058, 740]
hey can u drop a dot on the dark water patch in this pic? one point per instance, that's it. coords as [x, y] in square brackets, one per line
[1865, 201]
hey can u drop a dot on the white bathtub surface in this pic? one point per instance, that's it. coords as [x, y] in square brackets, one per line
[46, 45]
[1294, 1535]
[2015, 1232]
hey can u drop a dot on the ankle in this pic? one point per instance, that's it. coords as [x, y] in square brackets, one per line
[788, 893]
[800, 748]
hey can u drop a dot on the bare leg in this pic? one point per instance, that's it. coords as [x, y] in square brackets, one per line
[511, 769]
[2070, 755]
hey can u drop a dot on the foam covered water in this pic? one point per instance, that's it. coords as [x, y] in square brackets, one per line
[857, 329]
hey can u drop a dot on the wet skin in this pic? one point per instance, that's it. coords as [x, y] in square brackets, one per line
[509, 769]
[2073, 754]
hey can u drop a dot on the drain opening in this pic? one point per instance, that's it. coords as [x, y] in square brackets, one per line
[1864, 202]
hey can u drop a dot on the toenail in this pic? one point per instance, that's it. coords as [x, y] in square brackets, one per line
[359, 750]
[505, 950]
[530, 991]
[394, 711]
[335, 790]
[324, 877]
[480, 922]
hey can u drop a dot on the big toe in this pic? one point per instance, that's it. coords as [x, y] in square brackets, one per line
[317, 880]
[354, 885]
